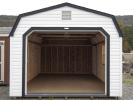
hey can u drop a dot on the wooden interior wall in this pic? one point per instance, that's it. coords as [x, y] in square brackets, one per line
[65, 55]
[101, 62]
[98, 57]
[66, 59]
[34, 61]
[94, 60]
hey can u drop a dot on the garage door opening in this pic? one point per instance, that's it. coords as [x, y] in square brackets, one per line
[66, 62]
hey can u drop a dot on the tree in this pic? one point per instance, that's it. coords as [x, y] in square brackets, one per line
[128, 38]
[126, 46]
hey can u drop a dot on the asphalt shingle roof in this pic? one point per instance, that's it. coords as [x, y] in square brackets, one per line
[5, 30]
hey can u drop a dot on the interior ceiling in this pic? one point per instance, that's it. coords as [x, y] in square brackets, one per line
[87, 37]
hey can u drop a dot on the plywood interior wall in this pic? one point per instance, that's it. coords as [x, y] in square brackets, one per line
[66, 59]
[101, 62]
[66, 56]
[33, 61]
[94, 60]
[98, 61]
[98, 57]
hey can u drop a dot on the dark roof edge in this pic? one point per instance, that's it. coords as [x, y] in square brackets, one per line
[117, 26]
[62, 5]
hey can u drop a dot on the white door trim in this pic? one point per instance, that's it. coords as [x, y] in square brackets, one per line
[2, 43]
[26, 56]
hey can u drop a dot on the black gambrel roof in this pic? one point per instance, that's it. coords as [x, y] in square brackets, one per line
[69, 5]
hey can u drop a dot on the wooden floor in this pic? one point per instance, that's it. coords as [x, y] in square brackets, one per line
[65, 84]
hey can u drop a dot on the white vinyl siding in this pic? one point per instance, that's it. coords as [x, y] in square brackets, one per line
[53, 18]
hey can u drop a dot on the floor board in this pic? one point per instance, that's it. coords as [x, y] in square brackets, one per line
[65, 84]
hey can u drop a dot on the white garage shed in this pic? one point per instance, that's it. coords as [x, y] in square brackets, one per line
[66, 50]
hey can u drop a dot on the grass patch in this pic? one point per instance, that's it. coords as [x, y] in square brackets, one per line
[127, 79]
[128, 82]
[50, 98]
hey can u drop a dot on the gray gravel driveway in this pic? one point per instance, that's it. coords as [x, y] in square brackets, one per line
[127, 95]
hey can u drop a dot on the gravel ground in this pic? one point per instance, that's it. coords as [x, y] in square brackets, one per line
[127, 92]
[127, 95]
